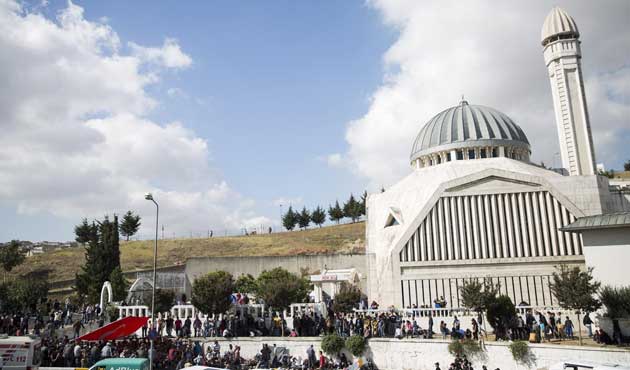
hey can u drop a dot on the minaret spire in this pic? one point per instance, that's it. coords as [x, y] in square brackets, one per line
[560, 40]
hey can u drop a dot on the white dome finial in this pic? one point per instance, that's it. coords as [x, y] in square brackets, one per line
[558, 23]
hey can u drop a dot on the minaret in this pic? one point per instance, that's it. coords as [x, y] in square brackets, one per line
[560, 40]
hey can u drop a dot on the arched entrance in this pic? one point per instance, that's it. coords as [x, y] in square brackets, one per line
[107, 288]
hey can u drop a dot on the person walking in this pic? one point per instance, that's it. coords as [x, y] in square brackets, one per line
[568, 327]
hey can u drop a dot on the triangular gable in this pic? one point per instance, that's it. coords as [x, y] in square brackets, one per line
[492, 185]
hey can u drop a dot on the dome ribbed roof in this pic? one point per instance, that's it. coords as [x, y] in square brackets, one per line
[467, 126]
[558, 22]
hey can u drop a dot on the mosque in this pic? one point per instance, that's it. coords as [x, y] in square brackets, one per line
[475, 207]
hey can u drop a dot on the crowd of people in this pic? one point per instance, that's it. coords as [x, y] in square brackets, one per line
[172, 354]
[176, 354]
[461, 363]
[57, 316]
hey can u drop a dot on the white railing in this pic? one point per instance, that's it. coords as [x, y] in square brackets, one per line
[134, 311]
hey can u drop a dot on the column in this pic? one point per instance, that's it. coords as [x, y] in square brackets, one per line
[441, 231]
[468, 225]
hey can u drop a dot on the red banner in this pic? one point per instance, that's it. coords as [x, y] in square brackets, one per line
[116, 330]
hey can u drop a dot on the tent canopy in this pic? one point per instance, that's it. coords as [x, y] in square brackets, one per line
[116, 330]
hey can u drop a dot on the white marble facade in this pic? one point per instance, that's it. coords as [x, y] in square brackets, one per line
[474, 207]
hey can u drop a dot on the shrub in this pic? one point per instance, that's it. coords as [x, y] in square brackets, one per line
[521, 353]
[468, 347]
[332, 344]
[519, 350]
[356, 345]
[617, 301]
[456, 348]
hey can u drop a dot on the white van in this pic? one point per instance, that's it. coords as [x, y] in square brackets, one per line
[586, 365]
[20, 353]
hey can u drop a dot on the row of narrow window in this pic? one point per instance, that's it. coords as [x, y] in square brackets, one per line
[470, 153]
[493, 226]
[532, 290]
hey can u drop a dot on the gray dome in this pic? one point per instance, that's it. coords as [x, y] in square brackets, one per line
[468, 126]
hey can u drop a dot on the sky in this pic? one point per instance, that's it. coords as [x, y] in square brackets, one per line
[230, 111]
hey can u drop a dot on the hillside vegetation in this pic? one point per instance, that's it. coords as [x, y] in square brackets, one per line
[340, 239]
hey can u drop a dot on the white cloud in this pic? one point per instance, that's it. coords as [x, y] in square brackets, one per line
[492, 54]
[75, 138]
[176, 92]
[169, 55]
[335, 160]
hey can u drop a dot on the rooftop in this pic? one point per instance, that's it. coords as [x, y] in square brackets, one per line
[605, 221]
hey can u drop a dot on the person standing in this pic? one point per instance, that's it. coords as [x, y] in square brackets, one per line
[310, 354]
[588, 323]
[568, 327]
[430, 330]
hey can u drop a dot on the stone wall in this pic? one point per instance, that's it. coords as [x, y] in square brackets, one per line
[420, 354]
[296, 264]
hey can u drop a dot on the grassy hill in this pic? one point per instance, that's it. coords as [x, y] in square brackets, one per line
[340, 239]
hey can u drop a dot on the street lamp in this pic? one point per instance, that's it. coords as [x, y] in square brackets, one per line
[149, 196]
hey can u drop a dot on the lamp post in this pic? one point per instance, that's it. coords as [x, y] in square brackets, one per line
[149, 196]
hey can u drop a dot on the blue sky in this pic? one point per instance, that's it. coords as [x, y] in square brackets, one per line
[226, 109]
[271, 88]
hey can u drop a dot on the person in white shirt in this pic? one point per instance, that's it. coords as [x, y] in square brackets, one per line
[106, 352]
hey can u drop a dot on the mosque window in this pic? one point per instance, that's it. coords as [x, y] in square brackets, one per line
[448, 157]
[439, 159]
[483, 153]
[460, 155]
[495, 153]
[471, 154]
[391, 221]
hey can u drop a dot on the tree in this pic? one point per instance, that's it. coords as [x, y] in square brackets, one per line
[304, 218]
[11, 255]
[476, 295]
[279, 288]
[616, 300]
[356, 345]
[575, 289]
[290, 219]
[85, 232]
[501, 315]
[163, 300]
[318, 216]
[22, 295]
[245, 284]
[102, 256]
[335, 213]
[332, 344]
[347, 298]
[352, 209]
[211, 293]
[364, 203]
[626, 165]
[129, 225]
[119, 285]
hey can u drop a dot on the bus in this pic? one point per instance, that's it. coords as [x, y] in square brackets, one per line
[20, 353]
